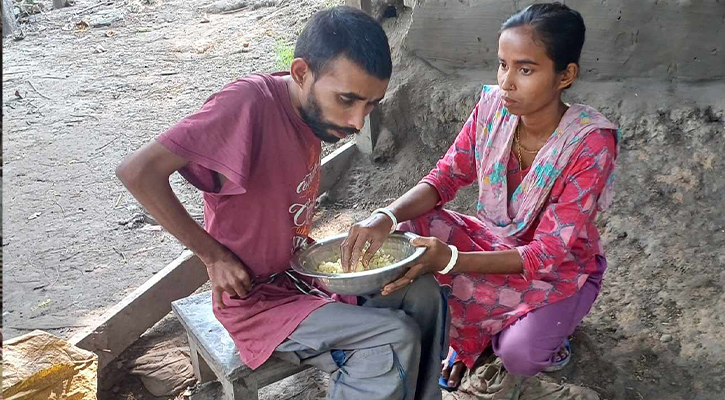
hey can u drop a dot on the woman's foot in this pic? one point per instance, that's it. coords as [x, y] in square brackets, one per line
[561, 359]
[452, 372]
[561, 354]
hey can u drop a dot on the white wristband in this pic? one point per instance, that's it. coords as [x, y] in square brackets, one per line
[390, 215]
[452, 262]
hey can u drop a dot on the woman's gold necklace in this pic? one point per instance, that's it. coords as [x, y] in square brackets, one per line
[520, 148]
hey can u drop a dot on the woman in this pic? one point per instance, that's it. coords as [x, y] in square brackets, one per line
[527, 268]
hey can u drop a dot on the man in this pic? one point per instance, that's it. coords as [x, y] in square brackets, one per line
[254, 151]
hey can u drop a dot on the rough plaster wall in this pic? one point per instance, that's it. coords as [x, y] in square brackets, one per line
[662, 39]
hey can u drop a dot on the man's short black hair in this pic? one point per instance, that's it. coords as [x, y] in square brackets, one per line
[349, 32]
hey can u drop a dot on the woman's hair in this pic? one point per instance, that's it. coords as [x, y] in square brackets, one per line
[557, 26]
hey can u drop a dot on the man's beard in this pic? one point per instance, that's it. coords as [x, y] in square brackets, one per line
[312, 116]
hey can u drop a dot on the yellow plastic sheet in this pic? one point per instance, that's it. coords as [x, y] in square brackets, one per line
[41, 366]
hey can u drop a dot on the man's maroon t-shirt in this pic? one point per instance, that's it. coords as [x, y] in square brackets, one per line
[249, 133]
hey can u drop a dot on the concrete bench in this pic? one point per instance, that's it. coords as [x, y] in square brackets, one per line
[214, 356]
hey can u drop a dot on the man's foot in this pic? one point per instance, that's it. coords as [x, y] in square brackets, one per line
[452, 372]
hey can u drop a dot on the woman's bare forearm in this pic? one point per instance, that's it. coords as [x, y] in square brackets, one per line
[490, 262]
[415, 202]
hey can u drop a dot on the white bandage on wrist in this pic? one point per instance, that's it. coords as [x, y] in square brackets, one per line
[452, 262]
[390, 215]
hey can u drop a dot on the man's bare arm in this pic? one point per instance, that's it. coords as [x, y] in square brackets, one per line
[145, 174]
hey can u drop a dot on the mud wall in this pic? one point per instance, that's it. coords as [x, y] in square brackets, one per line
[662, 39]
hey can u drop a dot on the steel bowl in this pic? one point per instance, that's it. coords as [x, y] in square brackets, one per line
[397, 245]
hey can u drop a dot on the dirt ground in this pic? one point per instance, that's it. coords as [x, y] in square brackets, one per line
[77, 98]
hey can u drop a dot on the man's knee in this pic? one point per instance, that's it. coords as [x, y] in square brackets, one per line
[406, 330]
[425, 290]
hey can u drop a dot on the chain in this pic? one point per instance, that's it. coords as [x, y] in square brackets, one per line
[520, 148]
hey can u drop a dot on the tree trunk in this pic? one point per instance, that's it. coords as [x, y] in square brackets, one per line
[9, 23]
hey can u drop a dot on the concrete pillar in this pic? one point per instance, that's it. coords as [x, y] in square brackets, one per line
[9, 23]
[365, 140]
